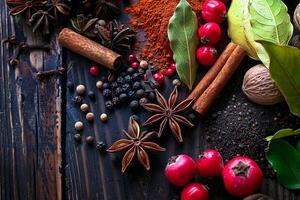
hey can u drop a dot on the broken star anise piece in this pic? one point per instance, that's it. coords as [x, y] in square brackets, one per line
[116, 36]
[168, 113]
[17, 7]
[136, 145]
[59, 7]
[105, 9]
[41, 21]
[84, 25]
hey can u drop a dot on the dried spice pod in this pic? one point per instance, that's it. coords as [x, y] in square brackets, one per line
[259, 87]
[84, 25]
[17, 7]
[258, 197]
[297, 18]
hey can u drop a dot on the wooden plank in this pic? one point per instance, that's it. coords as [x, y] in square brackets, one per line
[30, 152]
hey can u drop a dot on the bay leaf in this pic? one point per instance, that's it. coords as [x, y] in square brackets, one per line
[266, 20]
[285, 160]
[285, 71]
[182, 34]
[283, 133]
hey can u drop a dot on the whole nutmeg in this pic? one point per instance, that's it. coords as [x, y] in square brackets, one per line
[259, 87]
[297, 18]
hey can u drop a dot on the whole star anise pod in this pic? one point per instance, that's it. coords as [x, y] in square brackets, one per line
[58, 7]
[105, 9]
[136, 145]
[115, 36]
[167, 112]
[17, 7]
[84, 25]
[41, 21]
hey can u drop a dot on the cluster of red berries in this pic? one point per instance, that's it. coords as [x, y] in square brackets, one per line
[209, 34]
[241, 175]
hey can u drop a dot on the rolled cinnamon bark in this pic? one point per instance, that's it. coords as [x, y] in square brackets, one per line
[89, 49]
[211, 93]
[213, 72]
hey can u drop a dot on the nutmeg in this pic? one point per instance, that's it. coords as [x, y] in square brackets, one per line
[259, 87]
[297, 18]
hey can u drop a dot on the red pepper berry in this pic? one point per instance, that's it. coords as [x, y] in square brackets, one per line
[214, 11]
[173, 66]
[94, 71]
[209, 33]
[170, 72]
[131, 58]
[159, 77]
[207, 55]
[210, 164]
[135, 65]
[194, 191]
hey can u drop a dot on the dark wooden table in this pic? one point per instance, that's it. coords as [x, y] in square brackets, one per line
[39, 158]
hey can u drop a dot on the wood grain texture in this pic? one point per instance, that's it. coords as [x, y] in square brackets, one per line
[30, 120]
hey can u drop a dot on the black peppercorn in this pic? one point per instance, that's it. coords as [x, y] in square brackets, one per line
[123, 97]
[120, 81]
[126, 87]
[142, 101]
[134, 105]
[70, 85]
[135, 76]
[118, 91]
[91, 95]
[106, 93]
[192, 117]
[151, 95]
[104, 78]
[100, 146]
[127, 79]
[106, 86]
[116, 101]
[77, 137]
[136, 85]
[114, 85]
[109, 105]
[131, 94]
[140, 93]
[78, 99]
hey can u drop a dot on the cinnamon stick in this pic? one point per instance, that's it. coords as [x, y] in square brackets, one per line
[213, 72]
[210, 94]
[90, 49]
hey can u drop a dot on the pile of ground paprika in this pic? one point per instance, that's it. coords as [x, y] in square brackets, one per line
[152, 16]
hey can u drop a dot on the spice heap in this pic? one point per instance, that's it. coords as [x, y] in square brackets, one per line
[153, 18]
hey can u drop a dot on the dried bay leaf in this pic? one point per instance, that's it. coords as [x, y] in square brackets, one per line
[182, 33]
[283, 133]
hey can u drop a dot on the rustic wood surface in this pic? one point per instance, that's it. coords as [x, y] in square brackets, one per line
[39, 158]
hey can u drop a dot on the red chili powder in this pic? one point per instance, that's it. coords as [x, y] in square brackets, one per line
[153, 17]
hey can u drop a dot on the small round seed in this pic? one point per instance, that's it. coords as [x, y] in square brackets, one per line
[100, 146]
[77, 137]
[99, 85]
[80, 89]
[144, 64]
[89, 139]
[78, 126]
[91, 95]
[84, 107]
[90, 116]
[103, 117]
[102, 22]
[176, 82]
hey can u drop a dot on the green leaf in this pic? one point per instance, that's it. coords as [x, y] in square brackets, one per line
[285, 70]
[285, 160]
[266, 20]
[298, 146]
[283, 133]
[182, 33]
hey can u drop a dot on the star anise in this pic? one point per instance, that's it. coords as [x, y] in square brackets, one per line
[115, 36]
[104, 9]
[58, 7]
[136, 145]
[167, 112]
[17, 7]
[41, 21]
[84, 25]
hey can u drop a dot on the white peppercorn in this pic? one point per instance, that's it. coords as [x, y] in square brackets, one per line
[78, 126]
[90, 116]
[84, 107]
[80, 89]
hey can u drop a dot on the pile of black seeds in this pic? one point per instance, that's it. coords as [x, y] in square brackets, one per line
[127, 86]
[235, 126]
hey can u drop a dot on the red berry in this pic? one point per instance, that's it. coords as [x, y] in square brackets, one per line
[207, 55]
[170, 72]
[173, 66]
[209, 33]
[131, 58]
[94, 71]
[159, 77]
[180, 170]
[214, 11]
[210, 164]
[194, 191]
[135, 65]
[242, 176]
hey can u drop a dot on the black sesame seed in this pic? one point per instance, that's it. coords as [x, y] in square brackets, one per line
[134, 105]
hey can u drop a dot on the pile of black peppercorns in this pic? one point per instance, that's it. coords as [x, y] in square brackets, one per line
[126, 86]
